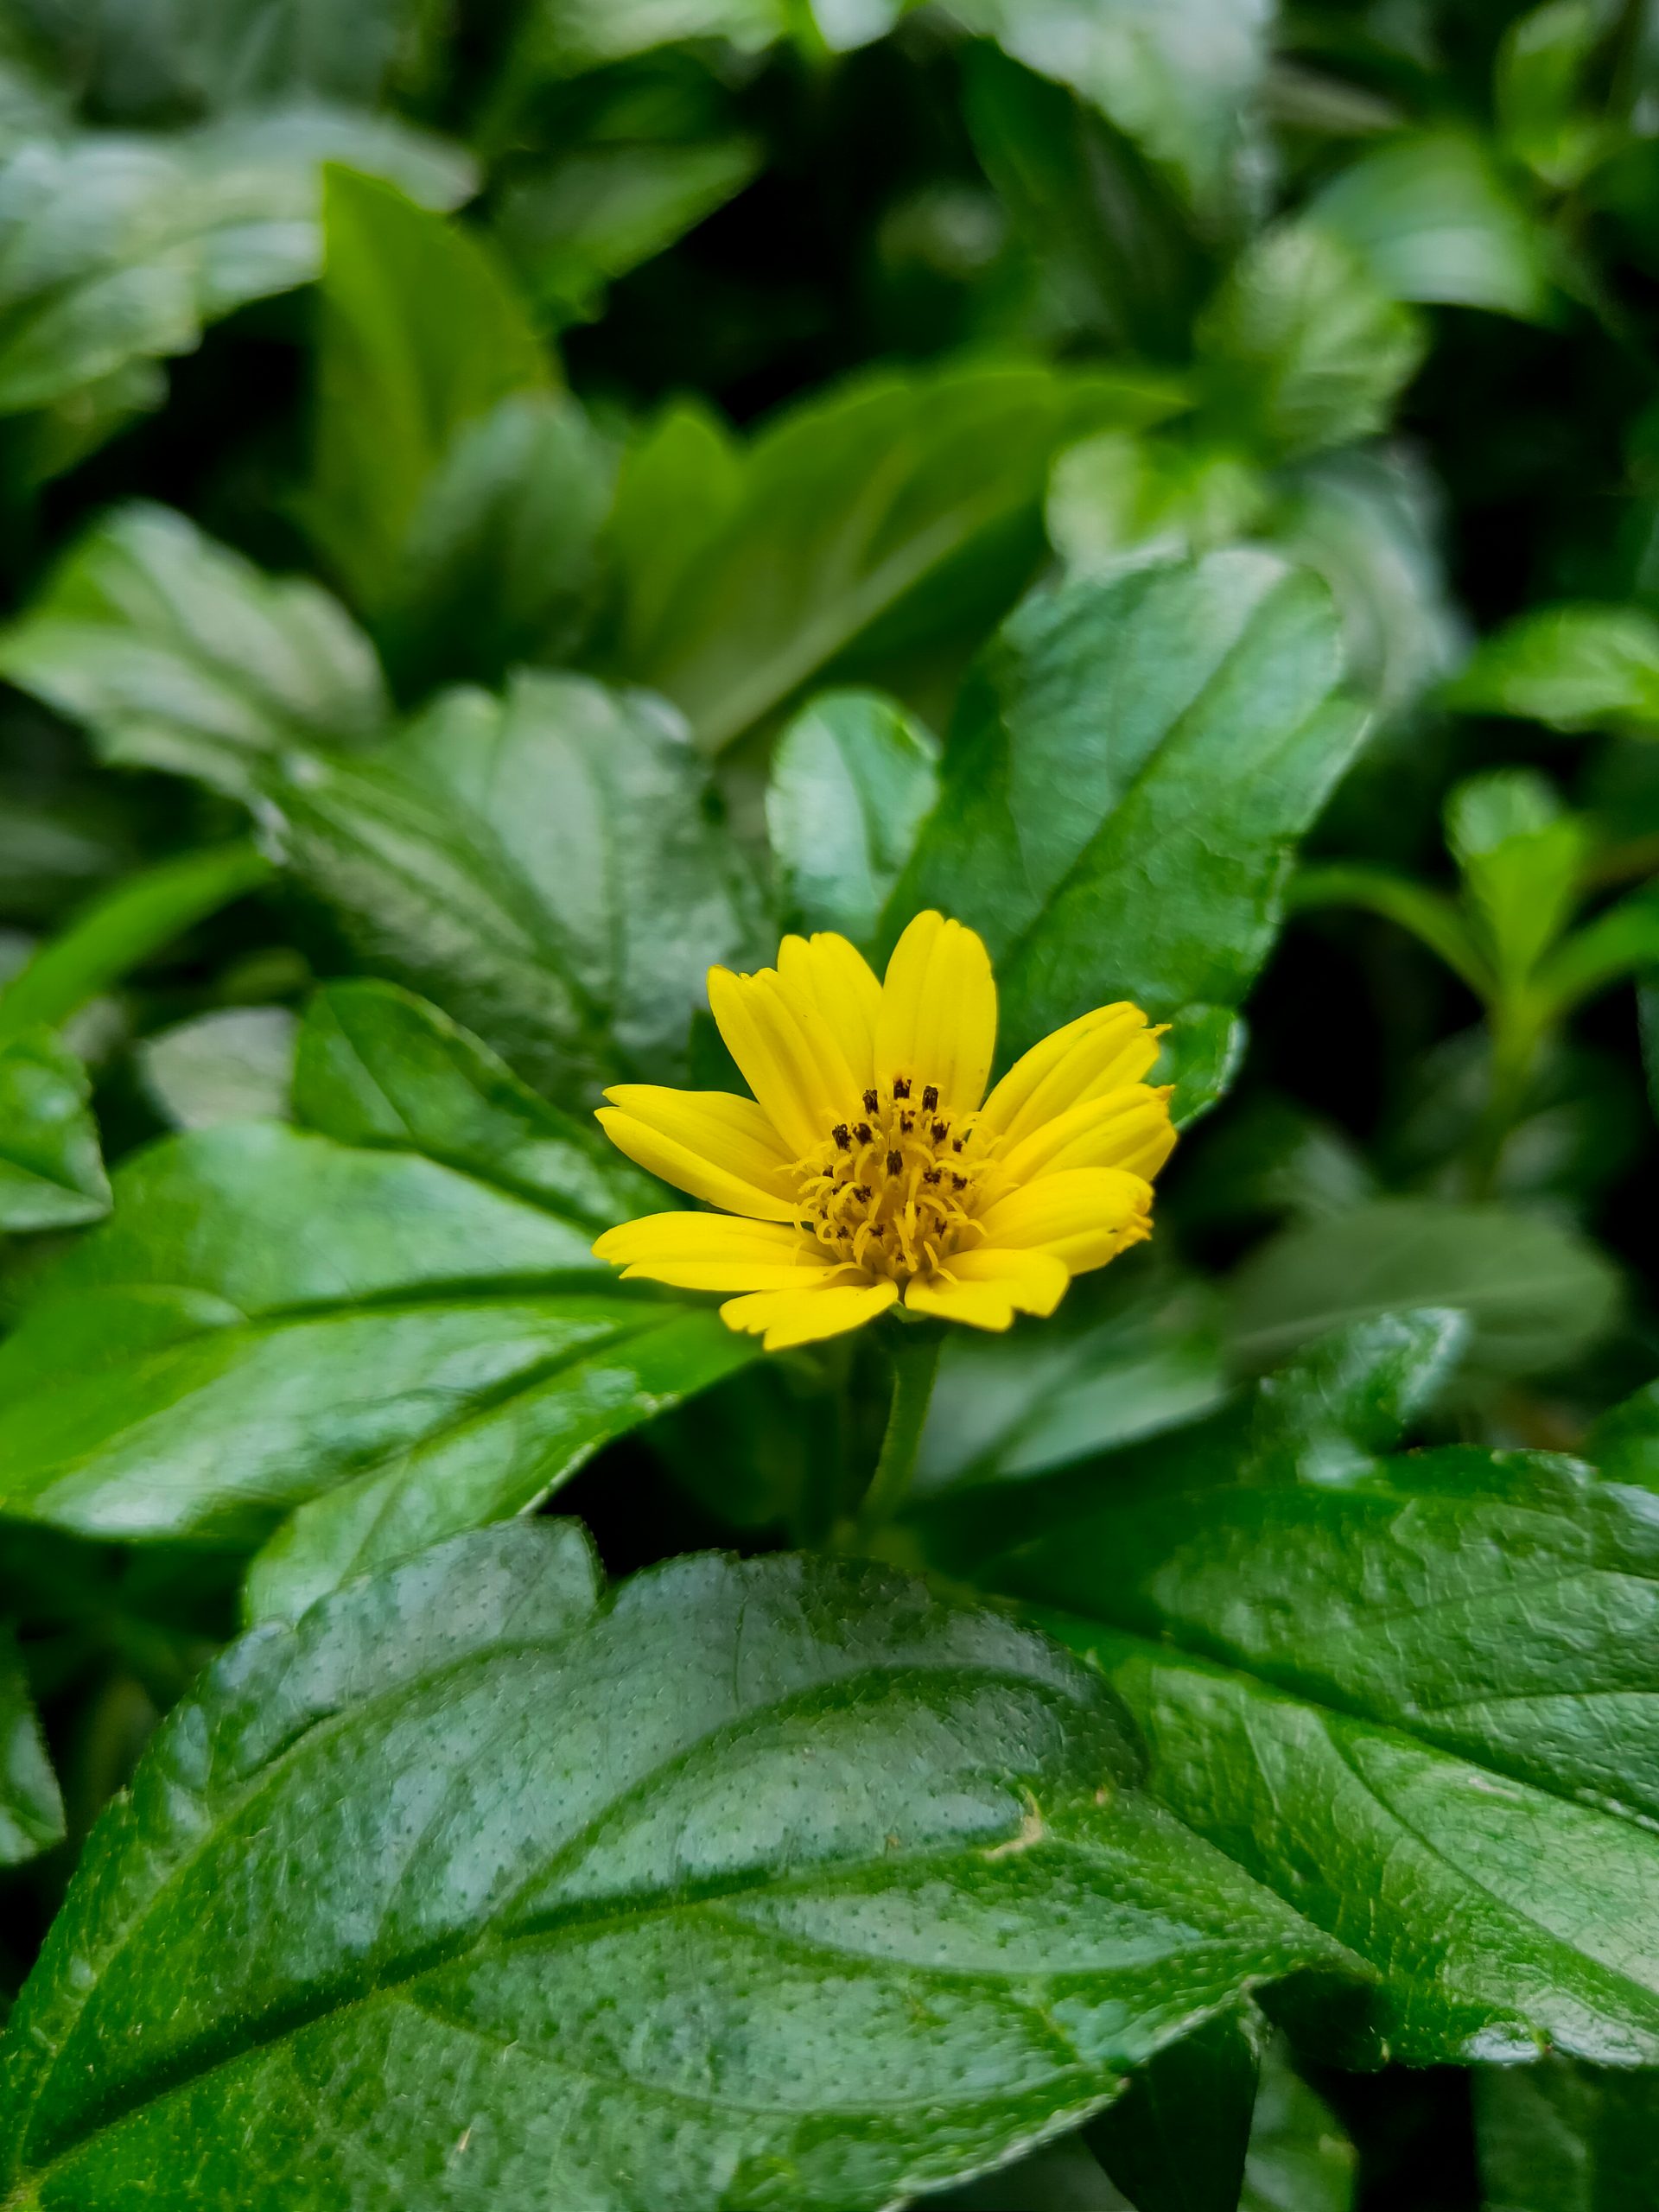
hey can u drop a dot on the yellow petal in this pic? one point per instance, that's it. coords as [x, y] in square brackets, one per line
[804, 1317]
[712, 1143]
[712, 1251]
[800, 1032]
[987, 1288]
[1084, 1215]
[1128, 1127]
[1097, 1052]
[938, 1023]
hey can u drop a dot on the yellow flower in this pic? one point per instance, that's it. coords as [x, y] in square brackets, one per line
[870, 1166]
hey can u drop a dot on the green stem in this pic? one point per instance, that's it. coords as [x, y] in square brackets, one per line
[915, 1362]
[1516, 1034]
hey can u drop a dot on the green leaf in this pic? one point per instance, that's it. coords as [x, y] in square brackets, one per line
[154, 59]
[1433, 918]
[1141, 854]
[1118, 497]
[1623, 940]
[394, 1315]
[500, 563]
[1538, 1294]
[1176, 76]
[1576, 668]
[1176, 2140]
[234, 1064]
[1417, 1701]
[575, 1827]
[1522, 861]
[1434, 218]
[575, 225]
[897, 516]
[1561, 2138]
[1301, 348]
[118, 250]
[1548, 114]
[1299, 2160]
[569, 35]
[136, 917]
[852, 779]
[179, 654]
[421, 335]
[51, 1171]
[31, 1810]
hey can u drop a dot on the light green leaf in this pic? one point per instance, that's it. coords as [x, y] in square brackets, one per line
[180, 654]
[897, 516]
[235, 1064]
[117, 249]
[569, 35]
[1576, 668]
[1561, 2138]
[853, 777]
[1139, 853]
[51, 1171]
[398, 1306]
[1550, 117]
[1118, 498]
[1522, 861]
[1418, 1701]
[421, 335]
[575, 1827]
[1300, 349]
[1537, 1293]
[1434, 220]
[31, 1810]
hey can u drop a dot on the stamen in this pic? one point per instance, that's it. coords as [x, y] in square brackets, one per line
[895, 1163]
[941, 1130]
[901, 1086]
[842, 1135]
[862, 1133]
[875, 1192]
[930, 1101]
[872, 1103]
[959, 1182]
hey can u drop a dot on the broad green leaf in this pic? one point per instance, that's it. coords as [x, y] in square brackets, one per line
[1300, 349]
[1576, 668]
[1434, 218]
[588, 217]
[1142, 851]
[1624, 1442]
[1176, 76]
[578, 1828]
[51, 1171]
[1561, 2138]
[900, 515]
[1417, 1700]
[1176, 2140]
[235, 1064]
[136, 917]
[146, 60]
[1537, 1293]
[116, 249]
[394, 1313]
[420, 336]
[681, 477]
[853, 777]
[31, 1810]
[180, 654]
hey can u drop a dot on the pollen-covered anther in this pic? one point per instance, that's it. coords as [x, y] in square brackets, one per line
[881, 1183]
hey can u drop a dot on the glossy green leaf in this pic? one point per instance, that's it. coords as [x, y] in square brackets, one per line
[1301, 349]
[31, 1810]
[234, 1064]
[1536, 1293]
[51, 1171]
[900, 515]
[1142, 853]
[590, 1901]
[1576, 668]
[394, 1313]
[421, 335]
[1434, 218]
[1176, 2140]
[1416, 1701]
[116, 249]
[853, 777]
[180, 654]
[1561, 2138]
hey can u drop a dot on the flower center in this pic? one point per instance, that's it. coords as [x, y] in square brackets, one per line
[891, 1189]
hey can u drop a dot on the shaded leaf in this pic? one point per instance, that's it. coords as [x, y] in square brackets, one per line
[576, 1826]
[1561, 2138]
[234, 1064]
[51, 1171]
[1176, 2140]
[852, 779]
[31, 1810]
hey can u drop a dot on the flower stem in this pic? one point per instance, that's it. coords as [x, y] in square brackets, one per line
[915, 1362]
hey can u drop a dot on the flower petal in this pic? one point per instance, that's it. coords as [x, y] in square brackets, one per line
[1083, 1216]
[1099, 1052]
[987, 1288]
[800, 1032]
[712, 1251]
[1126, 1127]
[804, 1317]
[712, 1143]
[938, 1023]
